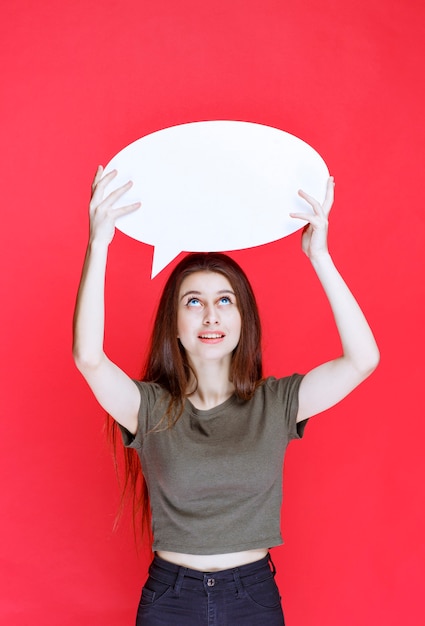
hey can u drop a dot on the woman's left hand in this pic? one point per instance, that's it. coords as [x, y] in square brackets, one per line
[314, 240]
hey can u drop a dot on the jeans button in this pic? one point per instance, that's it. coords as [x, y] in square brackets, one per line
[211, 582]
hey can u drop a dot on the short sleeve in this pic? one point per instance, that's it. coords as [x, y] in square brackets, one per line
[287, 390]
[149, 394]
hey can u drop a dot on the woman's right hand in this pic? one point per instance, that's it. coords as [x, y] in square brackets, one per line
[103, 215]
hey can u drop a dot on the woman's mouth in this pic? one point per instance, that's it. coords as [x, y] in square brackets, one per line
[211, 337]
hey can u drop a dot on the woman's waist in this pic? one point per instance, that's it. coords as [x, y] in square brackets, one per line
[213, 562]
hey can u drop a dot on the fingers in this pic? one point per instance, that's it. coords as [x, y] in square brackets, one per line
[103, 213]
[100, 181]
[106, 206]
[319, 209]
[124, 210]
[307, 217]
[99, 185]
[117, 193]
[112, 198]
[97, 176]
[330, 194]
[315, 204]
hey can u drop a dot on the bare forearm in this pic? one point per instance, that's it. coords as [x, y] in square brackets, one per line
[358, 343]
[89, 316]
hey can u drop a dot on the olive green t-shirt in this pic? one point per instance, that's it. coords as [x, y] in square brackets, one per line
[215, 478]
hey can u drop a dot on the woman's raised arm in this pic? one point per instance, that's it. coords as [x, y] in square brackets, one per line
[114, 390]
[330, 382]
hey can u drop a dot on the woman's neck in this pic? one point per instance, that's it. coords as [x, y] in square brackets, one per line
[213, 385]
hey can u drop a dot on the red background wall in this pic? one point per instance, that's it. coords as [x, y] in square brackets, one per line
[82, 80]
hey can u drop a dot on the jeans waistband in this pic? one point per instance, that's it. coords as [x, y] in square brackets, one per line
[173, 574]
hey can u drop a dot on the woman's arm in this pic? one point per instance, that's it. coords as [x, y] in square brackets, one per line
[329, 383]
[114, 390]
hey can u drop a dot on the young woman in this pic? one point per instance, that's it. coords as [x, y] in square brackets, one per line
[210, 432]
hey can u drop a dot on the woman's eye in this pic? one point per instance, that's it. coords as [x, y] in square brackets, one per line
[225, 300]
[193, 302]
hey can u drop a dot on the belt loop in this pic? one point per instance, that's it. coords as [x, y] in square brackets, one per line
[238, 583]
[272, 565]
[179, 580]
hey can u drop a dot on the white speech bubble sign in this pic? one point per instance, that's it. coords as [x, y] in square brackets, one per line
[216, 185]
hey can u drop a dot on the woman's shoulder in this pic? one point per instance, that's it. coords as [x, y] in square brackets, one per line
[151, 392]
[281, 386]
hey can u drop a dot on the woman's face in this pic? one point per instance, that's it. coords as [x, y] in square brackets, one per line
[208, 318]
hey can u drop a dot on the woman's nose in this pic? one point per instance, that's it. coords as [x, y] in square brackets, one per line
[210, 316]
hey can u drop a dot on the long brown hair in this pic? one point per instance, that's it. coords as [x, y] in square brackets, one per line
[167, 363]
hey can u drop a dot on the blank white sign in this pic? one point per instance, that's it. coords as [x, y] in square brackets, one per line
[216, 186]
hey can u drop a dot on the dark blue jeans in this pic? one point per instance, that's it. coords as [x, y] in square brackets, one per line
[241, 596]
